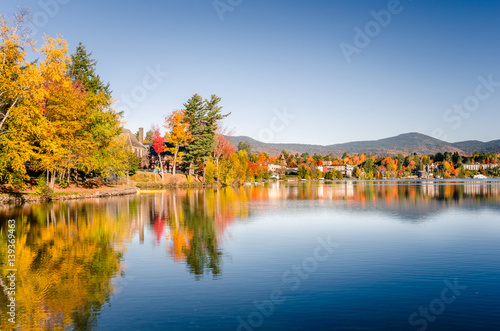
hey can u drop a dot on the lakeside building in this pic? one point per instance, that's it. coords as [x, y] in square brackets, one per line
[422, 174]
[478, 166]
[275, 170]
[274, 167]
[429, 168]
[345, 169]
[137, 147]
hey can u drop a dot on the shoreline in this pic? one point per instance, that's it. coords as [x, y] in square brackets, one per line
[137, 188]
[22, 198]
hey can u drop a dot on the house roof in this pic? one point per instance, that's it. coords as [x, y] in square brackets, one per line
[132, 140]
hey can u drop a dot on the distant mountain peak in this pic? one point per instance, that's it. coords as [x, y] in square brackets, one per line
[405, 143]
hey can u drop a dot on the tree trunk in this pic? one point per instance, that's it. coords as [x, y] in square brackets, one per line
[175, 161]
[161, 167]
[51, 179]
[204, 171]
[53, 183]
[217, 165]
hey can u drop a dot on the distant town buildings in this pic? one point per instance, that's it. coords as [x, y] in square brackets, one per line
[306, 167]
[478, 166]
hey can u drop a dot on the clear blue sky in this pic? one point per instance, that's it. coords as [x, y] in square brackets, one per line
[267, 56]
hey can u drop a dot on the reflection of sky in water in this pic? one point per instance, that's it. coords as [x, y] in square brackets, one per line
[200, 258]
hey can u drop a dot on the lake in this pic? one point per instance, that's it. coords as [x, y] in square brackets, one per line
[280, 256]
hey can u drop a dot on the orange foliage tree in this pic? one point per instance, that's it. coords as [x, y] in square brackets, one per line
[178, 136]
[223, 148]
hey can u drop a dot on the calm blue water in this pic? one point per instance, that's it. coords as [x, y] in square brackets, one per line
[286, 257]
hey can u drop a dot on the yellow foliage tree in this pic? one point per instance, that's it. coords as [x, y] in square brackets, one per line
[18, 80]
[52, 120]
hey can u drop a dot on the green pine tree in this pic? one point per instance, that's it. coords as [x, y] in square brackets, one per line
[202, 117]
[83, 69]
[103, 121]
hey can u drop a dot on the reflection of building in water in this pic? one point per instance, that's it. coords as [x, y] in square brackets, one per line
[481, 189]
[473, 189]
[430, 190]
[275, 192]
[140, 214]
[337, 191]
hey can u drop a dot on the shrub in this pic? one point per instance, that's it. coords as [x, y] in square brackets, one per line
[62, 183]
[42, 189]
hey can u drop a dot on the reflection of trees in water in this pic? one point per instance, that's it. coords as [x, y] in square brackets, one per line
[409, 201]
[197, 220]
[418, 202]
[203, 253]
[366, 191]
[67, 256]
[69, 252]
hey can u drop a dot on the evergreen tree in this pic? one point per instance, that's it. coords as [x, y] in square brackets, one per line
[104, 123]
[401, 160]
[202, 117]
[368, 165]
[245, 146]
[83, 69]
[194, 115]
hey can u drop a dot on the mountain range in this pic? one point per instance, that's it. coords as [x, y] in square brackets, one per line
[405, 144]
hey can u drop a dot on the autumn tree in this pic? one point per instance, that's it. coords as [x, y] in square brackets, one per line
[64, 137]
[227, 170]
[79, 130]
[103, 122]
[16, 73]
[159, 147]
[426, 160]
[317, 158]
[47, 126]
[178, 135]
[18, 79]
[55, 113]
[258, 166]
[357, 172]
[240, 161]
[223, 148]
